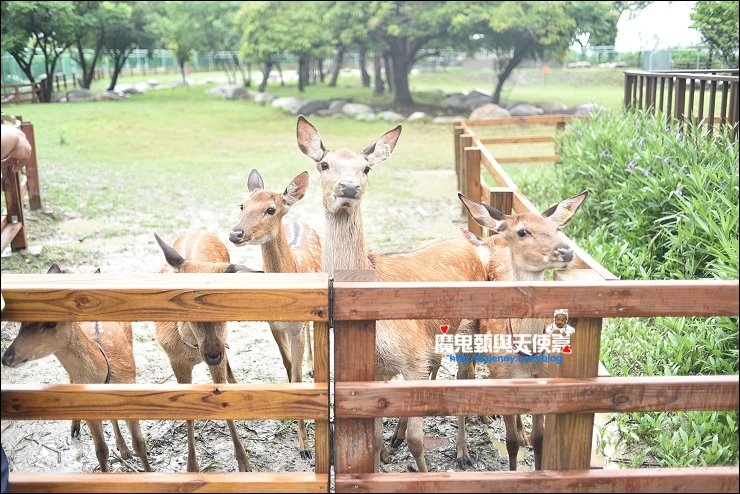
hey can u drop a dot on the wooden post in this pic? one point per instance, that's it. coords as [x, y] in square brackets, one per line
[354, 360]
[14, 208]
[501, 198]
[32, 170]
[466, 140]
[472, 179]
[321, 375]
[457, 132]
[568, 436]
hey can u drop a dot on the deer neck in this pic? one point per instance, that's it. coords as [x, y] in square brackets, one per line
[528, 326]
[83, 359]
[345, 246]
[277, 256]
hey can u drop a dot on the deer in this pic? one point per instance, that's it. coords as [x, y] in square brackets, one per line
[403, 347]
[190, 343]
[90, 353]
[286, 248]
[522, 247]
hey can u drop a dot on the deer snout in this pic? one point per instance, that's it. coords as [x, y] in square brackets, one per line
[348, 189]
[213, 358]
[565, 252]
[9, 357]
[236, 235]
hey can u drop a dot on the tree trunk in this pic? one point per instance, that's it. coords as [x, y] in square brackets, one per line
[303, 72]
[388, 70]
[338, 60]
[267, 67]
[515, 60]
[363, 66]
[401, 93]
[377, 69]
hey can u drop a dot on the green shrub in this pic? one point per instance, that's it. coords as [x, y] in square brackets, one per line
[663, 205]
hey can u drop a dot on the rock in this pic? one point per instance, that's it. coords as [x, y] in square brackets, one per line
[552, 107]
[335, 107]
[80, 94]
[354, 109]
[391, 116]
[288, 103]
[312, 106]
[417, 115]
[447, 120]
[489, 110]
[524, 110]
[262, 98]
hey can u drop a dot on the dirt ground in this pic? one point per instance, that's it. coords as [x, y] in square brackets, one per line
[36, 446]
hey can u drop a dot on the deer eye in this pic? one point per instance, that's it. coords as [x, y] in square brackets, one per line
[48, 325]
[366, 170]
[323, 166]
[271, 211]
[522, 233]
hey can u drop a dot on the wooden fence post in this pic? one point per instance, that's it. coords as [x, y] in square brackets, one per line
[354, 360]
[472, 181]
[466, 140]
[501, 198]
[32, 169]
[322, 435]
[560, 450]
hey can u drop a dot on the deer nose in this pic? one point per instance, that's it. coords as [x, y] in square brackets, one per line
[8, 356]
[236, 235]
[348, 189]
[212, 358]
[566, 253]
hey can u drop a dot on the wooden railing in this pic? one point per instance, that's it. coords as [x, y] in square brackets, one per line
[33, 93]
[17, 186]
[569, 399]
[169, 297]
[709, 96]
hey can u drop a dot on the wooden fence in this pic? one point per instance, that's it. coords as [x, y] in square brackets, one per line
[33, 93]
[709, 96]
[17, 186]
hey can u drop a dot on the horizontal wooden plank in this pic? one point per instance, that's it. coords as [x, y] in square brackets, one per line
[549, 158]
[170, 482]
[516, 139]
[478, 300]
[534, 396]
[165, 401]
[707, 479]
[9, 231]
[166, 297]
[527, 120]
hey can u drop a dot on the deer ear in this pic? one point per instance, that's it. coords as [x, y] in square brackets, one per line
[255, 181]
[484, 215]
[171, 256]
[472, 238]
[296, 189]
[309, 140]
[381, 149]
[563, 212]
[54, 269]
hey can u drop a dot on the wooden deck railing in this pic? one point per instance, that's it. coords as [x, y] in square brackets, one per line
[709, 96]
[17, 186]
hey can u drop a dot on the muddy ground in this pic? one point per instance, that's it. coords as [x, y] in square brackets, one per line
[35, 446]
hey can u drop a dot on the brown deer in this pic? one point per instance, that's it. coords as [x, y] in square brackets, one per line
[526, 245]
[91, 353]
[404, 347]
[190, 343]
[286, 248]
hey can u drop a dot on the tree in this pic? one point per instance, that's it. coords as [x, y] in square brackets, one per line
[718, 24]
[95, 21]
[134, 29]
[515, 31]
[39, 26]
[596, 23]
[177, 31]
[404, 28]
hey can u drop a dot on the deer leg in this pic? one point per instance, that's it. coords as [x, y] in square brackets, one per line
[184, 375]
[399, 433]
[219, 375]
[101, 449]
[465, 370]
[515, 437]
[297, 347]
[137, 439]
[75, 428]
[309, 348]
[538, 429]
[120, 442]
